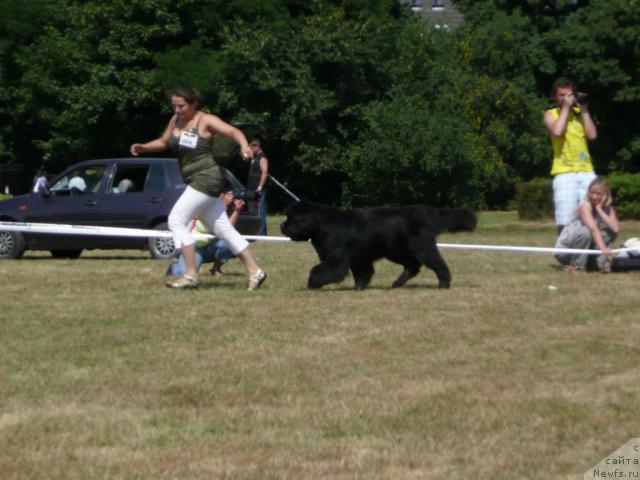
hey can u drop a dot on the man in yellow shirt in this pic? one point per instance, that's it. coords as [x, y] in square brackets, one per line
[570, 126]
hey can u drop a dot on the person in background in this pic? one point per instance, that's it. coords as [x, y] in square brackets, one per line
[77, 183]
[570, 126]
[261, 190]
[594, 224]
[189, 135]
[41, 183]
[210, 250]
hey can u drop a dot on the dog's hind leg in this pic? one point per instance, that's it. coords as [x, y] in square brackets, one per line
[411, 269]
[362, 274]
[431, 258]
[325, 273]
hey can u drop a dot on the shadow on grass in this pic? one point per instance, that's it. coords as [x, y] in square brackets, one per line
[345, 288]
[83, 259]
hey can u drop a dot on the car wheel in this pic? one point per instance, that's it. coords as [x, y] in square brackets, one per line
[12, 245]
[65, 253]
[162, 248]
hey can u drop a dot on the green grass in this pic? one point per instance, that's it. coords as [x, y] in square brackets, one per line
[105, 373]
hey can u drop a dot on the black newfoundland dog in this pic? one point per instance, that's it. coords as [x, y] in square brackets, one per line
[353, 239]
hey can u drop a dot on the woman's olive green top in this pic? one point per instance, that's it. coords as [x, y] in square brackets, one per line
[199, 169]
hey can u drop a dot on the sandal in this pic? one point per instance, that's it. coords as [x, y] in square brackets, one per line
[572, 269]
[185, 282]
[256, 280]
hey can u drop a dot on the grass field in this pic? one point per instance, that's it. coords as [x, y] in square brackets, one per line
[105, 373]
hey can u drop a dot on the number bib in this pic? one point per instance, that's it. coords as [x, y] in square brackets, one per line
[188, 140]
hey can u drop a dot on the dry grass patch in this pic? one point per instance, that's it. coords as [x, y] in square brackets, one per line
[107, 374]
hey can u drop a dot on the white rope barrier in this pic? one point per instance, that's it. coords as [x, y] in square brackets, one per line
[52, 228]
[512, 248]
[92, 230]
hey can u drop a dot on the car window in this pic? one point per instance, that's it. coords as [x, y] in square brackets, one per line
[156, 179]
[85, 179]
[129, 178]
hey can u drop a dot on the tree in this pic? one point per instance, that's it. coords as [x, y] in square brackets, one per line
[597, 43]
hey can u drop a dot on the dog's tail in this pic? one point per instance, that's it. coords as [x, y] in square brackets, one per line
[457, 219]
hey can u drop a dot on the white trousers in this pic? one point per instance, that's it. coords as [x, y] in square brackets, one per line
[193, 204]
[569, 189]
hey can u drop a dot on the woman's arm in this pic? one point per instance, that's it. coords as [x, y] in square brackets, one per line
[584, 210]
[611, 219]
[216, 125]
[157, 145]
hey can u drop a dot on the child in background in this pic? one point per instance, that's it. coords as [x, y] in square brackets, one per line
[594, 224]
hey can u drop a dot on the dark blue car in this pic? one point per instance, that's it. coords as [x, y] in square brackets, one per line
[123, 192]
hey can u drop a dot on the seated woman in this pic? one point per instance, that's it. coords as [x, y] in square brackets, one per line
[594, 224]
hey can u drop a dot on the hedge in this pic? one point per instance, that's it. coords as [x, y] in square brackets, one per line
[534, 199]
[625, 188]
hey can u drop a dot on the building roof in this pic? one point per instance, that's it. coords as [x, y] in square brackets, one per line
[444, 16]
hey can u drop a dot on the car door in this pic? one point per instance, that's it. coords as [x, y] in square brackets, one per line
[75, 199]
[137, 191]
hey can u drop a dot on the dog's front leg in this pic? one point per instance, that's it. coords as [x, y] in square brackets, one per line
[362, 274]
[325, 273]
[435, 262]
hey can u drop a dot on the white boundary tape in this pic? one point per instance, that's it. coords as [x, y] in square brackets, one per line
[512, 248]
[52, 228]
[92, 230]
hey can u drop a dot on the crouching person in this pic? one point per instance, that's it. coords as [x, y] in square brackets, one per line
[209, 250]
[594, 225]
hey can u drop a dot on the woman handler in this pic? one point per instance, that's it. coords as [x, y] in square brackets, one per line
[189, 135]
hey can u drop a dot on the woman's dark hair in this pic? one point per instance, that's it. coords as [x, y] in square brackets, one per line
[190, 95]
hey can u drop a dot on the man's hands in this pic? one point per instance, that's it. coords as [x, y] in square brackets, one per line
[228, 198]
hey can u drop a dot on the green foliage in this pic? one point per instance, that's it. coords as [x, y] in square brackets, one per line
[303, 84]
[192, 65]
[594, 42]
[599, 46]
[625, 189]
[361, 101]
[534, 199]
[414, 161]
[85, 76]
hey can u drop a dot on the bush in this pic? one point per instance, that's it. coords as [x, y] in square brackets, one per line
[625, 188]
[534, 199]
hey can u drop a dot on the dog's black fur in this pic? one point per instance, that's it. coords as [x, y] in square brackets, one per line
[353, 239]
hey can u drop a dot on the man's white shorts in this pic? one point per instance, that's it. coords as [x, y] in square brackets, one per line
[569, 189]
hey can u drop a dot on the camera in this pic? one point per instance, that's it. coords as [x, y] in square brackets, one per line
[581, 97]
[244, 194]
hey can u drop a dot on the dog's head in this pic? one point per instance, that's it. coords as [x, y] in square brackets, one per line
[303, 221]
